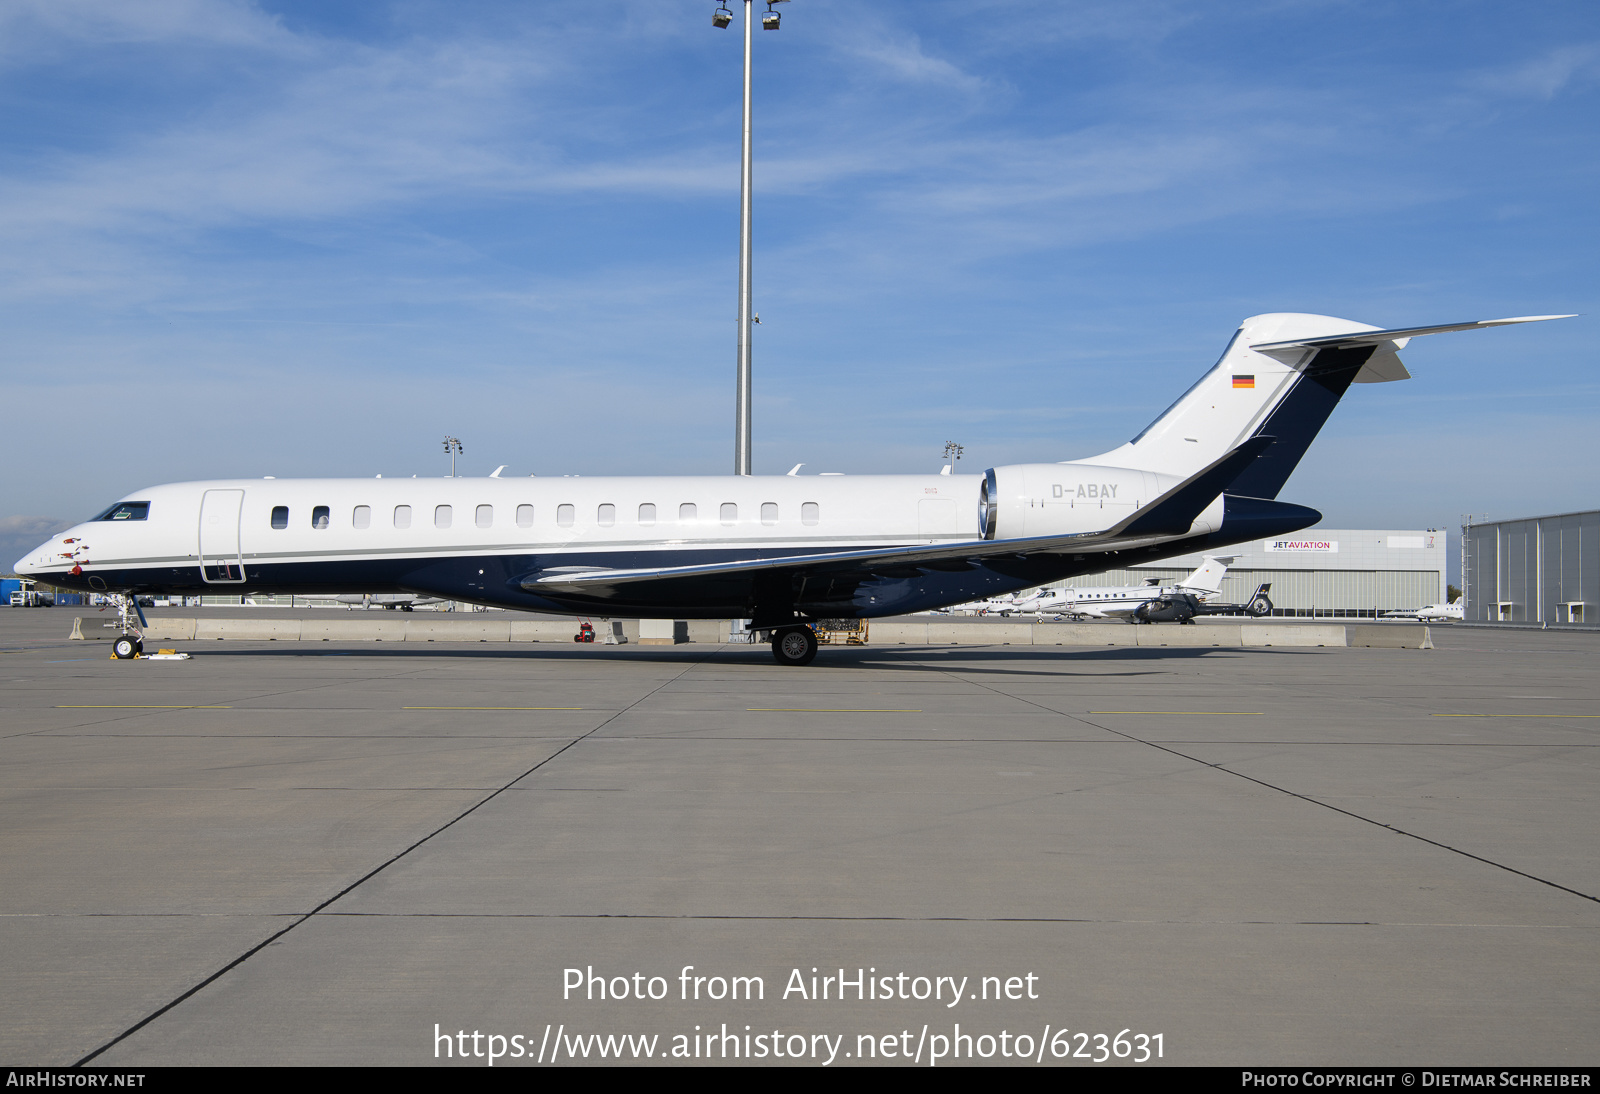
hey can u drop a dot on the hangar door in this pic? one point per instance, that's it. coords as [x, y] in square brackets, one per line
[220, 560]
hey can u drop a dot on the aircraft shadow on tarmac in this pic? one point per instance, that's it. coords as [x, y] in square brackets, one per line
[972, 659]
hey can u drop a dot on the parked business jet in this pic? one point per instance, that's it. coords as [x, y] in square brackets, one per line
[1109, 601]
[779, 550]
[1432, 613]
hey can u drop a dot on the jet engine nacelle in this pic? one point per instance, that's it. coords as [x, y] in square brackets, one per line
[1052, 499]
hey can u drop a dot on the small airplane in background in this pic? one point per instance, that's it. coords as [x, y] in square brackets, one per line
[404, 602]
[1432, 613]
[1106, 601]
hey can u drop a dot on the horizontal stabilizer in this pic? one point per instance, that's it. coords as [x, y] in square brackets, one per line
[1377, 337]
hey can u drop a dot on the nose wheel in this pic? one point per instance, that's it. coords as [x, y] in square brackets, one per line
[126, 647]
[794, 646]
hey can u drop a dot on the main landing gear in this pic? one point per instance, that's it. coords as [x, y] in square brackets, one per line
[794, 645]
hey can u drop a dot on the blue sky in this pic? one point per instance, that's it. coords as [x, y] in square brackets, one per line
[313, 238]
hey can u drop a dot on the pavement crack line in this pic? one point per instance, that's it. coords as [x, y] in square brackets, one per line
[375, 871]
[1290, 793]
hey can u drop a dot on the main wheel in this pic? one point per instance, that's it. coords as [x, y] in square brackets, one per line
[794, 646]
[125, 647]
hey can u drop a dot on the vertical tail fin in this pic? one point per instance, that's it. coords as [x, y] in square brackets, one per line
[1208, 578]
[1281, 376]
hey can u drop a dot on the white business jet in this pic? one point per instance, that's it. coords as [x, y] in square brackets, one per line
[1109, 601]
[1432, 613]
[778, 550]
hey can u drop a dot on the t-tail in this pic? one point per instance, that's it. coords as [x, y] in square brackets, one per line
[1280, 377]
[1207, 580]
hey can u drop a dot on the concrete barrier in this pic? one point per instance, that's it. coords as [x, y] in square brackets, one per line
[1084, 634]
[168, 630]
[987, 634]
[663, 632]
[1391, 636]
[361, 629]
[458, 630]
[1292, 634]
[248, 630]
[1215, 634]
[543, 630]
[897, 634]
[91, 627]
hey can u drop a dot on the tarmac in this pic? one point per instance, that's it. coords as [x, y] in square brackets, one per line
[352, 852]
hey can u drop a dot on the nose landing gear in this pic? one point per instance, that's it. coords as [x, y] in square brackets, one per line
[130, 617]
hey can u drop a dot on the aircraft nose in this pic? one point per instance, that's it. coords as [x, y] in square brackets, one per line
[38, 559]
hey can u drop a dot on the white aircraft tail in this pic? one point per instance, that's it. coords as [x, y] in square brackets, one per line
[1208, 578]
[1280, 377]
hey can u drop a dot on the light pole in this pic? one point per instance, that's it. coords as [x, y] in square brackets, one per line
[952, 452]
[741, 413]
[453, 446]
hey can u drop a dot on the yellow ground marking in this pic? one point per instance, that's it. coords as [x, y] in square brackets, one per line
[1228, 712]
[491, 708]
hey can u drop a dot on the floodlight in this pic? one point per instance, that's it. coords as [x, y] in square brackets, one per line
[769, 21]
[722, 17]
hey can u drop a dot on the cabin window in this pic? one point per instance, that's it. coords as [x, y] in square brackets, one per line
[402, 516]
[361, 516]
[810, 513]
[280, 517]
[484, 516]
[769, 512]
[564, 515]
[647, 513]
[686, 511]
[606, 515]
[441, 516]
[127, 510]
[730, 513]
[524, 516]
[319, 516]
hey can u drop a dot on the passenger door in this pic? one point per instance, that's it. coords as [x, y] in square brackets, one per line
[220, 560]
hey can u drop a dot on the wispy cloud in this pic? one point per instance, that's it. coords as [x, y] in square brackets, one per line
[33, 31]
[1548, 75]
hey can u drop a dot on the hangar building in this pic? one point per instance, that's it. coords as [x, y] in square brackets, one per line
[1322, 572]
[1535, 570]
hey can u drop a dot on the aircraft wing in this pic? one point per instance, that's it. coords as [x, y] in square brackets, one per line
[1167, 516]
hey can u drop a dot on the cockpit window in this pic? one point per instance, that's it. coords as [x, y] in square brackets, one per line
[127, 510]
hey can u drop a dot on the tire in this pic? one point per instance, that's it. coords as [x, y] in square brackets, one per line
[125, 648]
[794, 646]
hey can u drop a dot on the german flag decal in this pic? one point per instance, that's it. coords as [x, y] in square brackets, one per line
[1243, 381]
